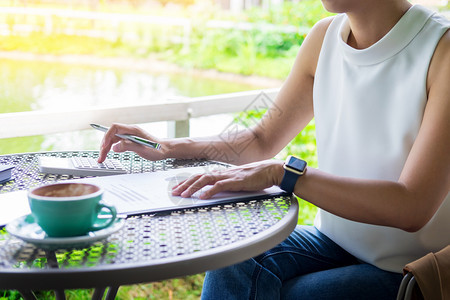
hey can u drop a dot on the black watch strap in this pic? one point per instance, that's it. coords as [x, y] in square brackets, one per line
[293, 168]
[288, 182]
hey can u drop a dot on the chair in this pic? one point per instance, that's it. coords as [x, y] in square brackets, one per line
[407, 286]
[427, 278]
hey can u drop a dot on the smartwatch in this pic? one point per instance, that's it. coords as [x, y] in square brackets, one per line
[294, 167]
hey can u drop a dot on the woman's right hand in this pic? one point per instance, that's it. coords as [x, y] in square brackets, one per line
[111, 141]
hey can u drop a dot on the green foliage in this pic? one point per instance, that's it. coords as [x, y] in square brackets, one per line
[304, 13]
[59, 44]
[10, 295]
[265, 51]
[186, 288]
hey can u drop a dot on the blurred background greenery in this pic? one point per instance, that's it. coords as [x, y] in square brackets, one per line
[253, 38]
[254, 41]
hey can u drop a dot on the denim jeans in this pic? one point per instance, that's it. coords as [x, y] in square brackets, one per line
[307, 265]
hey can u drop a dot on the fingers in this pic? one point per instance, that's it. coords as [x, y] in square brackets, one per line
[108, 140]
[190, 186]
[194, 183]
[251, 177]
[104, 149]
[220, 186]
[125, 145]
[111, 141]
[220, 181]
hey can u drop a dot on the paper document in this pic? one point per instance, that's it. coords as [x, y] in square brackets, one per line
[152, 192]
[13, 205]
[139, 193]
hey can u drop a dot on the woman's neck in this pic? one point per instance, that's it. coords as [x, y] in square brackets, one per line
[369, 24]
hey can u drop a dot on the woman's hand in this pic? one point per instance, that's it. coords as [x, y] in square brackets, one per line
[251, 177]
[110, 140]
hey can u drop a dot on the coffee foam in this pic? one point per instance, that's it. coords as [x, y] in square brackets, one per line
[66, 190]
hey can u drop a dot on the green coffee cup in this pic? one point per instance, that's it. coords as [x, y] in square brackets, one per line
[70, 209]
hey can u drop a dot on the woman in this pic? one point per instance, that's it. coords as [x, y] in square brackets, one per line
[376, 79]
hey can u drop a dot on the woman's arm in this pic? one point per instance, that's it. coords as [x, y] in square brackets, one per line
[291, 112]
[407, 204]
[425, 179]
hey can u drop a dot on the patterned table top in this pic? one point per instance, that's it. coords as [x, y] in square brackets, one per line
[148, 247]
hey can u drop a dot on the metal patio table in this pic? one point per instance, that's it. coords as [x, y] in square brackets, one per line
[149, 247]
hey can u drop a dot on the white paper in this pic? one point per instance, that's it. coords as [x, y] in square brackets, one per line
[13, 205]
[137, 193]
[147, 192]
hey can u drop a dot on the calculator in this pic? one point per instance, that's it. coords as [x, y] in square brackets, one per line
[80, 166]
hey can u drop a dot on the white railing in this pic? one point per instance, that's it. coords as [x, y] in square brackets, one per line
[179, 112]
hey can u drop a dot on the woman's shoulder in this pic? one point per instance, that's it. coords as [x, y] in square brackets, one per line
[311, 46]
[439, 72]
[306, 61]
[317, 34]
[321, 27]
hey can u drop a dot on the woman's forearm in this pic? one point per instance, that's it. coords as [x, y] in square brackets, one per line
[231, 147]
[377, 202]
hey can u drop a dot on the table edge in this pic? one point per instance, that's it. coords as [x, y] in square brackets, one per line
[161, 269]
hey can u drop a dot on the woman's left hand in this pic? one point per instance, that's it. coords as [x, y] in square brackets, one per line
[251, 177]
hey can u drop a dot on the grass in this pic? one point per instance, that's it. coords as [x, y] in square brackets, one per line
[186, 288]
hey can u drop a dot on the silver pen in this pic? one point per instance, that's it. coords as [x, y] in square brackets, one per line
[129, 137]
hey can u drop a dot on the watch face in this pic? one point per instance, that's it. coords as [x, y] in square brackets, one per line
[296, 163]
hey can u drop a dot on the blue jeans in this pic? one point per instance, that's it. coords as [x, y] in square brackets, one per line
[307, 265]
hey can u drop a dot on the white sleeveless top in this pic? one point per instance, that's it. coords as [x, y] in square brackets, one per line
[368, 107]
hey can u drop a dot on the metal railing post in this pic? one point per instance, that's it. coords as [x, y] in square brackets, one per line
[177, 129]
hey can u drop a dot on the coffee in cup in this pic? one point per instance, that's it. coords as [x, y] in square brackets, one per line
[69, 209]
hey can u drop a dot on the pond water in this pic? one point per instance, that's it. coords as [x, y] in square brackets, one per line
[33, 85]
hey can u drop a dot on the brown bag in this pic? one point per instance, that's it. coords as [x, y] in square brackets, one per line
[432, 273]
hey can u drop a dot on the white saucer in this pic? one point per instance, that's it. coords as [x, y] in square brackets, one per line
[25, 228]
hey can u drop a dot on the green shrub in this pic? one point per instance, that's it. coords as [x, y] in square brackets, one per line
[264, 52]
